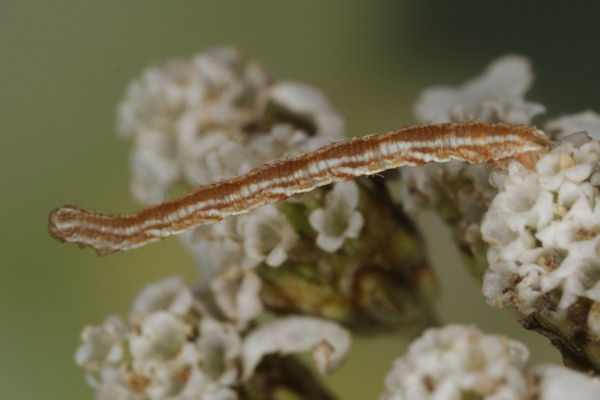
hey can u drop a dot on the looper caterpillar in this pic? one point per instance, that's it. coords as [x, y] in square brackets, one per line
[474, 142]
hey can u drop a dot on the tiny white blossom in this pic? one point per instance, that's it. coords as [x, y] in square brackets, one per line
[169, 294]
[219, 348]
[588, 121]
[167, 378]
[328, 341]
[101, 344]
[267, 235]
[161, 337]
[449, 362]
[496, 95]
[543, 229]
[236, 292]
[339, 219]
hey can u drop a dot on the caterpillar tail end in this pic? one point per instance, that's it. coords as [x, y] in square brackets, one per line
[54, 222]
[63, 226]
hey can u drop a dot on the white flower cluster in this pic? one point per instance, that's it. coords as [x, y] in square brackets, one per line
[495, 96]
[543, 229]
[449, 362]
[459, 362]
[216, 116]
[174, 348]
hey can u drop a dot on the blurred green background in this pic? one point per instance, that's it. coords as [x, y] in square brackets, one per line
[64, 65]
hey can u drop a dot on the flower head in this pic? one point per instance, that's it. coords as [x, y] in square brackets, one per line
[102, 344]
[178, 111]
[454, 361]
[214, 116]
[172, 348]
[196, 120]
[460, 362]
[543, 229]
[166, 354]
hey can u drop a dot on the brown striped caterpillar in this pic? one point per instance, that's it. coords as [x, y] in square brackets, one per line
[474, 142]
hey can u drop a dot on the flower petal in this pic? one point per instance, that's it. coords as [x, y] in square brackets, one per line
[329, 342]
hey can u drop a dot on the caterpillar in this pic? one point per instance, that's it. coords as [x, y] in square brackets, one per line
[474, 142]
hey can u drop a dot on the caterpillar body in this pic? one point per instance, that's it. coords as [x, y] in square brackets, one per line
[474, 142]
